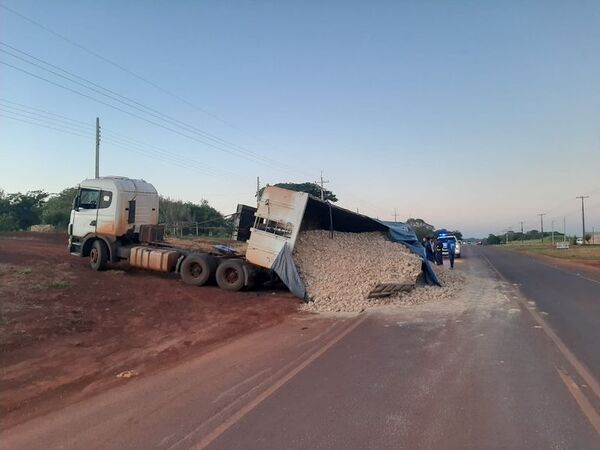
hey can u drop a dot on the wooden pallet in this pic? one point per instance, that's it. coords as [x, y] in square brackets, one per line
[387, 289]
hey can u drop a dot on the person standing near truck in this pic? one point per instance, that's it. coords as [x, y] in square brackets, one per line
[428, 244]
[451, 251]
[439, 258]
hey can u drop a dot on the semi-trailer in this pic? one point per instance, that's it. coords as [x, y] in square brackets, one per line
[116, 219]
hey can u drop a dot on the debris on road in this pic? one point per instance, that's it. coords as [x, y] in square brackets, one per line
[128, 374]
[341, 273]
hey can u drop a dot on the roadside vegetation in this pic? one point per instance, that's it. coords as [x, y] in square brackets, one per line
[19, 211]
[586, 252]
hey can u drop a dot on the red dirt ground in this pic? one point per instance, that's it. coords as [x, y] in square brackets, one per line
[67, 331]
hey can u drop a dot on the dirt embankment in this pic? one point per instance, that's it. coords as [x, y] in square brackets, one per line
[66, 331]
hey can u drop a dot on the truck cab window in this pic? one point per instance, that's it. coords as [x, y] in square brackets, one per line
[272, 226]
[105, 199]
[89, 198]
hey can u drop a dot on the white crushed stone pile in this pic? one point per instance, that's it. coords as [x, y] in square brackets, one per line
[339, 273]
[452, 281]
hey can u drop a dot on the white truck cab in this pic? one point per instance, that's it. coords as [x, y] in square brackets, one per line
[110, 210]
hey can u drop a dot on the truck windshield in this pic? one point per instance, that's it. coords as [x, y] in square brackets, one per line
[89, 198]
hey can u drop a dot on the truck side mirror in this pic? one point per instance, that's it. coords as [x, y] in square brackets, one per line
[76, 203]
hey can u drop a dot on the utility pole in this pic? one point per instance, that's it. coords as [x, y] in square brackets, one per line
[522, 235]
[553, 232]
[583, 218]
[97, 147]
[542, 222]
[321, 183]
[564, 228]
[395, 216]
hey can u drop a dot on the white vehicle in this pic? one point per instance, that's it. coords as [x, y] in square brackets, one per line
[444, 239]
[116, 218]
[579, 241]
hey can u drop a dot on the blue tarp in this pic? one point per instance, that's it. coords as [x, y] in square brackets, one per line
[400, 232]
[285, 268]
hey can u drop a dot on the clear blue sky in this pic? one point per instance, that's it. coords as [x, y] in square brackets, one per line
[472, 115]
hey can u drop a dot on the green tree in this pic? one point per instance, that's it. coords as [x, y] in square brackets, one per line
[457, 234]
[57, 209]
[24, 209]
[492, 239]
[8, 222]
[310, 188]
[177, 212]
[421, 228]
[587, 238]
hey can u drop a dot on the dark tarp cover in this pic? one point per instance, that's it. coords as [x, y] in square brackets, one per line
[400, 232]
[285, 268]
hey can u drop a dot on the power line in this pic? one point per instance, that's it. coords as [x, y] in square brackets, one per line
[44, 126]
[9, 102]
[151, 154]
[185, 165]
[115, 107]
[219, 143]
[134, 103]
[114, 136]
[144, 109]
[47, 120]
[118, 66]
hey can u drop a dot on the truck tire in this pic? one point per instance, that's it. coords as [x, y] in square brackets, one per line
[197, 269]
[98, 255]
[230, 275]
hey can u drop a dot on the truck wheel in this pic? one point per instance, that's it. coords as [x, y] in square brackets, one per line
[98, 255]
[197, 269]
[230, 275]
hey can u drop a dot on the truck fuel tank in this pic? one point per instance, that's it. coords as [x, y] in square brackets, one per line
[161, 260]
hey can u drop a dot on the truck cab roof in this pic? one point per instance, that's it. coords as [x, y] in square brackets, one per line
[120, 184]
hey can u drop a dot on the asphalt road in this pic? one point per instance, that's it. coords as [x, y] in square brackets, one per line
[477, 372]
[569, 298]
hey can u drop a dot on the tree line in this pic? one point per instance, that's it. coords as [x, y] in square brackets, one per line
[531, 235]
[19, 211]
[423, 229]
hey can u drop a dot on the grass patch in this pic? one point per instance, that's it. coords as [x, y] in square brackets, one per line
[574, 252]
[58, 284]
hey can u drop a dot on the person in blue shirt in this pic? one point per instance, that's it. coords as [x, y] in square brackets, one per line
[451, 251]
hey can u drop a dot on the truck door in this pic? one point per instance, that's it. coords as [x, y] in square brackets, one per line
[85, 213]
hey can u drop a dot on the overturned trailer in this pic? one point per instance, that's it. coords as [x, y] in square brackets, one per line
[282, 214]
[116, 218]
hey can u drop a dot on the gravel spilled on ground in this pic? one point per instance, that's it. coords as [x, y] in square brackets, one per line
[340, 273]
